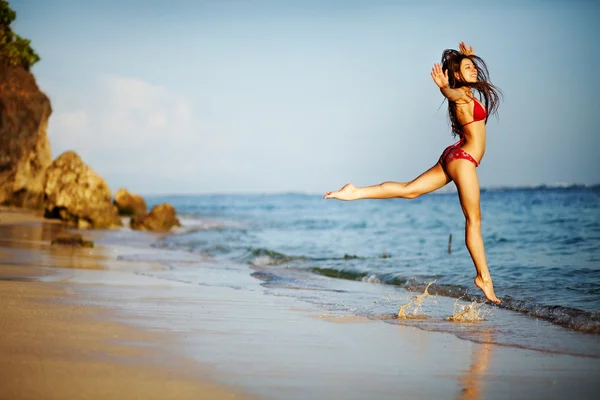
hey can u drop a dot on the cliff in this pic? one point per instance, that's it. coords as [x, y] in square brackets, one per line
[65, 188]
[24, 147]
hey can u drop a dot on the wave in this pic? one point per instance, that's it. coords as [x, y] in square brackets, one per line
[359, 276]
[263, 258]
[266, 257]
[571, 318]
[543, 186]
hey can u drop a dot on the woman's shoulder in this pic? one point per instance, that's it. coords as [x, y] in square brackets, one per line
[464, 98]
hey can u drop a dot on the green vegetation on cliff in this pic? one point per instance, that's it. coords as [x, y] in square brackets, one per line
[14, 50]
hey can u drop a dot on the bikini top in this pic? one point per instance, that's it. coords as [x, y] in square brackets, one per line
[479, 113]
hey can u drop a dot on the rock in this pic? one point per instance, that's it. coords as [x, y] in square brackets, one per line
[71, 239]
[129, 204]
[77, 194]
[24, 147]
[160, 219]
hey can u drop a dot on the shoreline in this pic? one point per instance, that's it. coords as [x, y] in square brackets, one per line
[55, 345]
[233, 339]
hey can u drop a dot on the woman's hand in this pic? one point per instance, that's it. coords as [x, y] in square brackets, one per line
[440, 78]
[467, 51]
[346, 193]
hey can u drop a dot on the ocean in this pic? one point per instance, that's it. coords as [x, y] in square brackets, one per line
[369, 258]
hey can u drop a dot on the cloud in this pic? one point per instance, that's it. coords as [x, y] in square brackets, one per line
[128, 123]
[71, 122]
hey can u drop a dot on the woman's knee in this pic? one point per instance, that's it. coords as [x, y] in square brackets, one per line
[473, 219]
[412, 191]
[411, 194]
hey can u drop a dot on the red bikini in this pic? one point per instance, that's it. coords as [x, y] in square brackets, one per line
[479, 113]
[454, 152]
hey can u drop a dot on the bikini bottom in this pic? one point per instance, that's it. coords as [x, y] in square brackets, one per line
[454, 152]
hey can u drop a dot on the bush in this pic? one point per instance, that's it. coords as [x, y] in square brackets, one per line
[7, 16]
[14, 50]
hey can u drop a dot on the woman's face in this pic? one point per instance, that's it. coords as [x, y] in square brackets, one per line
[468, 71]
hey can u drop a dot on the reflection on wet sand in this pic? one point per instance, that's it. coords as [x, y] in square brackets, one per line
[472, 380]
[18, 240]
[27, 244]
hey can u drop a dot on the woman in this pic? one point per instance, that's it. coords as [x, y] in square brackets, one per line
[460, 73]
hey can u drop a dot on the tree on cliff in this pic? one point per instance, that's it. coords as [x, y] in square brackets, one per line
[14, 50]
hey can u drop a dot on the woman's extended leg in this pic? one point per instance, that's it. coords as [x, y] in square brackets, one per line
[465, 177]
[430, 180]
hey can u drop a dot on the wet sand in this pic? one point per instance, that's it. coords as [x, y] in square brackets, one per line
[82, 332]
[54, 348]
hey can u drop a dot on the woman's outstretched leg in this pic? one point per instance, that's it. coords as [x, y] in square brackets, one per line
[465, 177]
[429, 181]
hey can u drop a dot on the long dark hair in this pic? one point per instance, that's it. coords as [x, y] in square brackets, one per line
[488, 94]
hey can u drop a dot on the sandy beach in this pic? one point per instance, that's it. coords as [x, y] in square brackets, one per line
[55, 347]
[91, 323]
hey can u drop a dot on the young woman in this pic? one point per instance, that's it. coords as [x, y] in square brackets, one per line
[459, 73]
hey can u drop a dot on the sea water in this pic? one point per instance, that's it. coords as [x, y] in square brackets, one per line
[391, 260]
[370, 257]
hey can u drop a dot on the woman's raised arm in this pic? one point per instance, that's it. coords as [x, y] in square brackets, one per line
[467, 51]
[441, 79]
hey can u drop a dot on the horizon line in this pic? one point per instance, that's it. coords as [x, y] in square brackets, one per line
[446, 190]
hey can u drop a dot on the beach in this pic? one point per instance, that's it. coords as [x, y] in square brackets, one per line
[99, 323]
[54, 346]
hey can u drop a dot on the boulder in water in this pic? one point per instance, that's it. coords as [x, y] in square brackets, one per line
[71, 239]
[129, 204]
[162, 218]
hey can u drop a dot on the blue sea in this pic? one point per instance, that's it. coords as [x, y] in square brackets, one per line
[367, 258]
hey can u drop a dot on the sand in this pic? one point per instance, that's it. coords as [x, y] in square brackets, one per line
[52, 348]
[80, 332]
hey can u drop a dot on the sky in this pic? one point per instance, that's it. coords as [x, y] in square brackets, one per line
[192, 96]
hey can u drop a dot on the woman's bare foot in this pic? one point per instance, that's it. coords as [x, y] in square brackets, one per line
[346, 193]
[487, 288]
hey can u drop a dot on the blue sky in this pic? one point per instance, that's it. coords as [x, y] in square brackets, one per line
[187, 96]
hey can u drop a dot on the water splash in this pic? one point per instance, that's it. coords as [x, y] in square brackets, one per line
[371, 279]
[469, 313]
[412, 309]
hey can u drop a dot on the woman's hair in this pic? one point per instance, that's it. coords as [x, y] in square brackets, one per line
[488, 93]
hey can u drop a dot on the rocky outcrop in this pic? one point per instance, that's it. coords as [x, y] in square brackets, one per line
[66, 188]
[162, 218]
[71, 240]
[24, 147]
[77, 194]
[129, 204]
